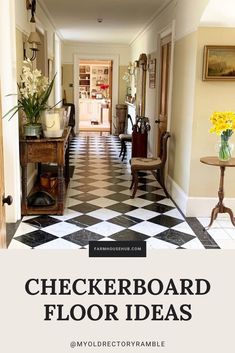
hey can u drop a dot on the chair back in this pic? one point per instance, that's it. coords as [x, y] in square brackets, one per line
[128, 117]
[163, 146]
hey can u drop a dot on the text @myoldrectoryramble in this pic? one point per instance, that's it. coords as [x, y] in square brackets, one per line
[110, 287]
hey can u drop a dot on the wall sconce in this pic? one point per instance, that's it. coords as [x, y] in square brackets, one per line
[143, 62]
[34, 40]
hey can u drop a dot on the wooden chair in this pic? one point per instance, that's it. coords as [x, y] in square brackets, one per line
[124, 138]
[152, 164]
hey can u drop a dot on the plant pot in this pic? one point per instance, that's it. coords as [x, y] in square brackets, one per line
[32, 130]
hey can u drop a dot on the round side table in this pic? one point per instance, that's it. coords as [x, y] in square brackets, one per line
[220, 207]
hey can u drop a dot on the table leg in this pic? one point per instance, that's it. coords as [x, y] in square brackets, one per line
[60, 188]
[220, 208]
[24, 190]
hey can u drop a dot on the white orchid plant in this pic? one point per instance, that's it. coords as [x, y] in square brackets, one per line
[34, 91]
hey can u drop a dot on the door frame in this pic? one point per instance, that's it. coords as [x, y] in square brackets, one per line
[2, 190]
[115, 79]
[169, 30]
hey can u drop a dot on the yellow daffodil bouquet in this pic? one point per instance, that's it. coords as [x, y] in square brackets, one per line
[224, 126]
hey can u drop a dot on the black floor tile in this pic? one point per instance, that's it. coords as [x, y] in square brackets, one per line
[152, 197]
[129, 235]
[36, 238]
[125, 221]
[166, 221]
[158, 207]
[42, 221]
[84, 221]
[82, 237]
[122, 208]
[84, 208]
[175, 237]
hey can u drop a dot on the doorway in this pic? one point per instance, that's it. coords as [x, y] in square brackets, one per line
[162, 121]
[114, 76]
[95, 95]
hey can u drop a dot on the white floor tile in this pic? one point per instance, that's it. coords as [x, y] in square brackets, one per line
[61, 229]
[218, 234]
[193, 244]
[101, 192]
[102, 202]
[105, 228]
[71, 202]
[15, 244]
[153, 243]
[101, 177]
[73, 192]
[226, 244]
[58, 244]
[143, 214]
[104, 214]
[184, 228]
[100, 184]
[137, 202]
[174, 213]
[129, 192]
[68, 214]
[167, 202]
[148, 228]
[74, 184]
[24, 228]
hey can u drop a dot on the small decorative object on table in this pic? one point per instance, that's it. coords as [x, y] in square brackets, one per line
[34, 91]
[223, 125]
[53, 122]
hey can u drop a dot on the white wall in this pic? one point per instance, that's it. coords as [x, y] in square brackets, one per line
[42, 21]
[69, 49]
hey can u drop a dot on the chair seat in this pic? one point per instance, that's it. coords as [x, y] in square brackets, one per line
[125, 137]
[145, 162]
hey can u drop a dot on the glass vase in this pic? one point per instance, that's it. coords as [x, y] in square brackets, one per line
[225, 149]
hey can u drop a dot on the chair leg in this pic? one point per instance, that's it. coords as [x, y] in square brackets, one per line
[122, 146]
[124, 150]
[135, 180]
[132, 181]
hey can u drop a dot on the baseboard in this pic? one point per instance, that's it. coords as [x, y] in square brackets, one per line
[177, 194]
[194, 206]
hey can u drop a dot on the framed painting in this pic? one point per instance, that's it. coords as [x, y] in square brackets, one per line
[152, 73]
[219, 62]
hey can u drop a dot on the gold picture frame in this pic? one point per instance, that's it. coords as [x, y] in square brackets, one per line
[219, 63]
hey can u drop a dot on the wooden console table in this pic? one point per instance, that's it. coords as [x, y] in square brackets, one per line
[220, 208]
[44, 151]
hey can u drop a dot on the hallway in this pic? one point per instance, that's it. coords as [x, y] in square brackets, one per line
[99, 207]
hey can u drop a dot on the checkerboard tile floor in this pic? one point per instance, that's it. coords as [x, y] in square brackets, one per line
[99, 207]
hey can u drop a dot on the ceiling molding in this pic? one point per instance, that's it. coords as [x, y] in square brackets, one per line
[149, 23]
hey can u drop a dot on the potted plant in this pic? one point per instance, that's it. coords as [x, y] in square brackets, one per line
[34, 91]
